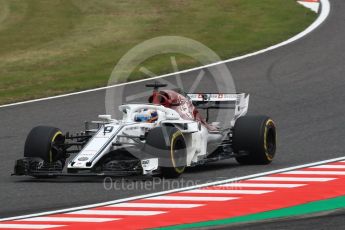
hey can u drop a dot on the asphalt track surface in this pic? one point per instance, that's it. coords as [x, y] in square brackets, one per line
[300, 85]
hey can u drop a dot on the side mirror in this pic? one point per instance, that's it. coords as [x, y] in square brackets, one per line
[105, 117]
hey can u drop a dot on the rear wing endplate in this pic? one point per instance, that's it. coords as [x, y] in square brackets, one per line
[237, 101]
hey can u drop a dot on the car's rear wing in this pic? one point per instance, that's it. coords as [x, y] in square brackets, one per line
[237, 101]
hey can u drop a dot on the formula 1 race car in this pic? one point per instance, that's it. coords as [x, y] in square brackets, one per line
[161, 137]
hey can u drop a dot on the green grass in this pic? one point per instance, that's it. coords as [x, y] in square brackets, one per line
[58, 46]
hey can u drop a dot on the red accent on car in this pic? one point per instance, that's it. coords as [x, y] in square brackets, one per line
[179, 103]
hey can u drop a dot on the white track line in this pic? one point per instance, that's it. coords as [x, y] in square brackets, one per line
[325, 9]
[117, 212]
[155, 205]
[275, 178]
[329, 167]
[69, 219]
[29, 226]
[304, 172]
[226, 191]
[216, 183]
[192, 198]
[261, 185]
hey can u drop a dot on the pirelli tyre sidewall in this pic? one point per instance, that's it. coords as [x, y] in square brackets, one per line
[168, 145]
[256, 136]
[39, 143]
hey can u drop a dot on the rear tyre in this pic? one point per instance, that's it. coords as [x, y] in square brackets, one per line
[40, 143]
[168, 144]
[256, 136]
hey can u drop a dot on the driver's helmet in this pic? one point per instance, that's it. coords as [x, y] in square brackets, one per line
[146, 115]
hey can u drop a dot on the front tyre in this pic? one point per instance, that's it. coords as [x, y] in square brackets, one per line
[43, 142]
[256, 136]
[168, 145]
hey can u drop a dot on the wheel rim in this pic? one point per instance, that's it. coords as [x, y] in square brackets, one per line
[56, 140]
[270, 140]
[178, 152]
